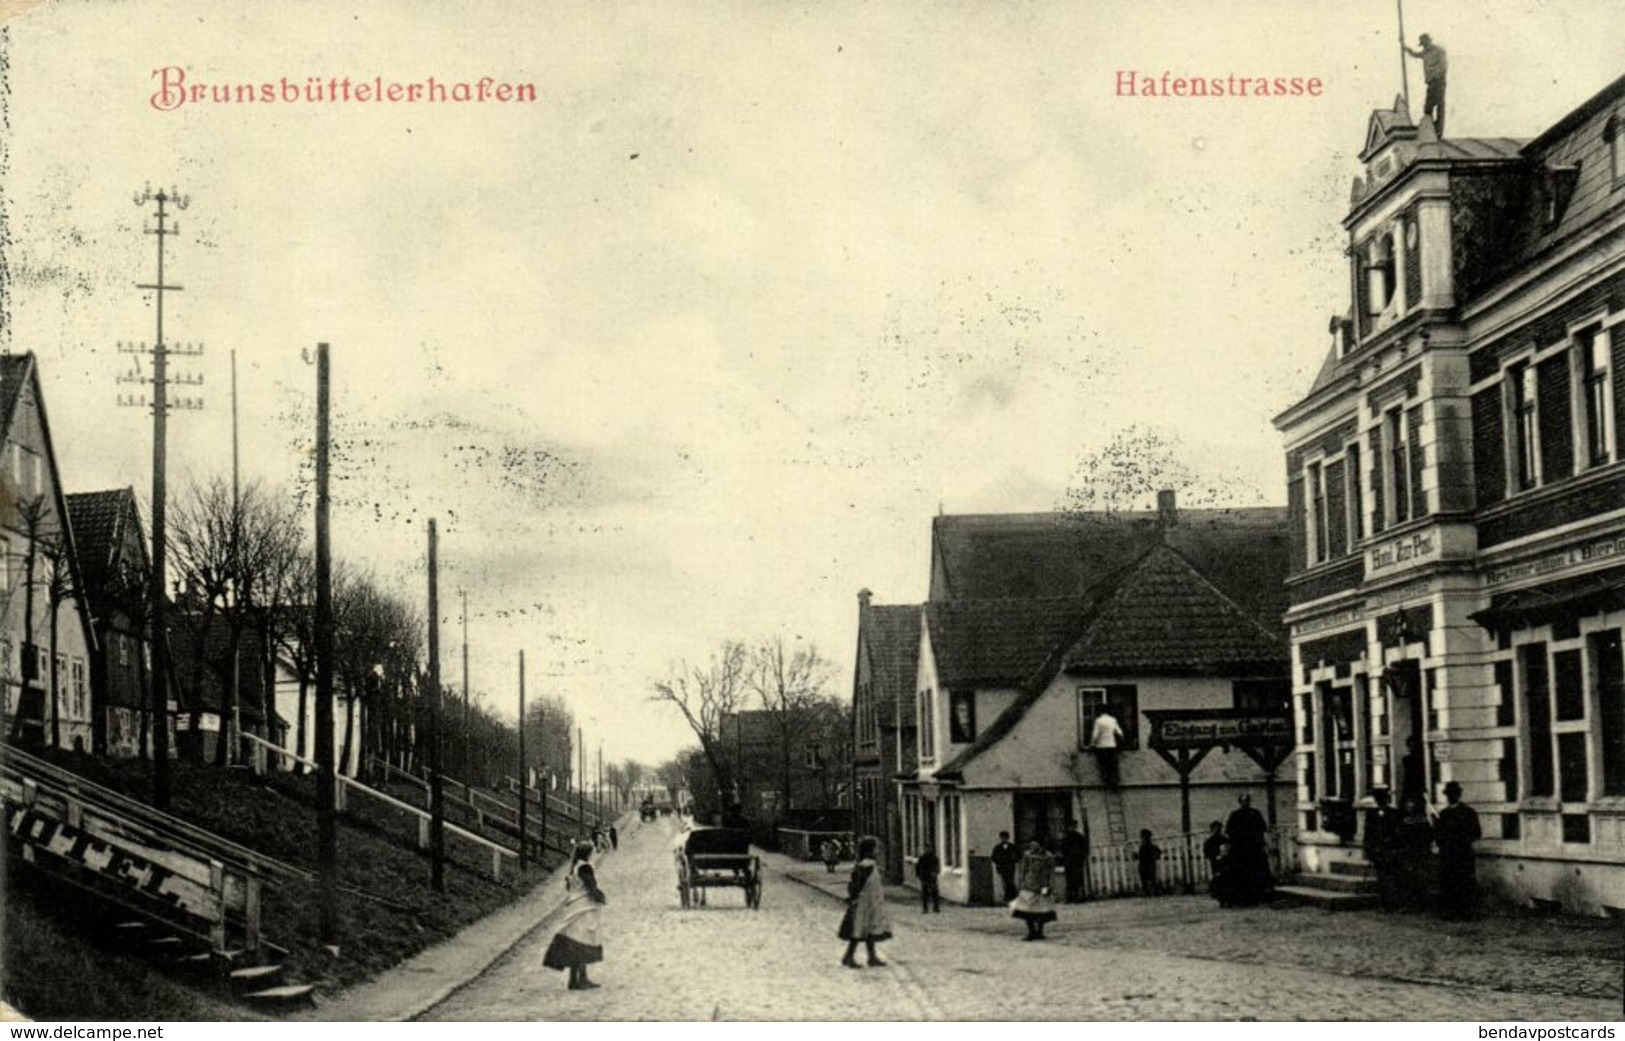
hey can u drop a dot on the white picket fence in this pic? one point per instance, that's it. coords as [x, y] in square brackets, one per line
[1114, 869]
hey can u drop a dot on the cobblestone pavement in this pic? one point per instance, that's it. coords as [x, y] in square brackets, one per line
[781, 963]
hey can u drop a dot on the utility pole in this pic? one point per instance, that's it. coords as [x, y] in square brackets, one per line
[581, 779]
[541, 780]
[326, 781]
[1404, 73]
[160, 404]
[466, 753]
[437, 832]
[237, 575]
[524, 766]
[598, 791]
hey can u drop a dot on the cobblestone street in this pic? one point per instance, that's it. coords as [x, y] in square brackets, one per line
[1108, 961]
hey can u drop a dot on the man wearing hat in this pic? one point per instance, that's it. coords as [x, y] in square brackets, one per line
[1455, 832]
[1434, 67]
[1381, 828]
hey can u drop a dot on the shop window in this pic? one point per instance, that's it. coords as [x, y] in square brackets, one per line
[1431, 687]
[1310, 821]
[1608, 674]
[1594, 348]
[1538, 711]
[1508, 768]
[1309, 786]
[1307, 737]
[1505, 708]
[1511, 826]
[1568, 684]
[1571, 766]
[951, 830]
[1576, 827]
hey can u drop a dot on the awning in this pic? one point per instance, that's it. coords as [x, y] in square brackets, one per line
[1565, 598]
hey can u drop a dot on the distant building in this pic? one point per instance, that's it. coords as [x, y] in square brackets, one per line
[113, 562]
[46, 640]
[1456, 481]
[883, 735]
[796, 774]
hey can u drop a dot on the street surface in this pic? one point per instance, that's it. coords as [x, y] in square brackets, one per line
[1115, 960]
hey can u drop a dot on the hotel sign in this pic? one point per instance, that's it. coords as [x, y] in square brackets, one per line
[1568, 559]
[1215, 727]
[1403, 553]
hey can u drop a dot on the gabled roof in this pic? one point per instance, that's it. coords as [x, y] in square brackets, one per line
[1243, 551]
[1163, 616]
[1000, 643]
[14, 370]
[892, 635]
[103, 522]
[1158, 616]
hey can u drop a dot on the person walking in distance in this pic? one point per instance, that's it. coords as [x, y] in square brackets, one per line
[1435, 65]
[576, 940]
[1148, 855]
[1105, 739]
[927, 869]
[1005, 858]
[865, 921]
[1075, 862]
[1455, 832]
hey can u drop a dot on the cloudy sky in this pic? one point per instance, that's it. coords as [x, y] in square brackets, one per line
[694, 346]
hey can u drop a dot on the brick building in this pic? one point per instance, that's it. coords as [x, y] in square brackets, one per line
[1456, 484]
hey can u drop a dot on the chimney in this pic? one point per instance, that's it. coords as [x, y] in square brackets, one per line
[1167, 509]
[863, 599]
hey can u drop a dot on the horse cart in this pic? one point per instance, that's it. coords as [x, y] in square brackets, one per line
[711, 858]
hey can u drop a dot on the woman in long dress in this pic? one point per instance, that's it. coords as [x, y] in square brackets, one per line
[865, 920]
[577, 943]
[1034, 902]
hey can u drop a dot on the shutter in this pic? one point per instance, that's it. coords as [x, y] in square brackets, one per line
[1337, 514]
[1419, 499]
[1556, 424]
[1377, 463]
[1297, 525]
[1489, 447]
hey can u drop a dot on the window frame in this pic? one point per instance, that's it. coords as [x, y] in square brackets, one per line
[1128, 717]
[958, 734]
[1593, 388]
[1521, 416]
[1396, 443]
[1318, 542]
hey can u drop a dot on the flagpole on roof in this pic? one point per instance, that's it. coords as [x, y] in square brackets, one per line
[1404, 73]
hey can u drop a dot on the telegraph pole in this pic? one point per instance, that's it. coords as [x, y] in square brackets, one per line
[541, 780]
[466, 748]
[581, 778]
[235, 744]
[437, 832]
[598, 791]
[160, 403]
[524, 767]
[327, 837]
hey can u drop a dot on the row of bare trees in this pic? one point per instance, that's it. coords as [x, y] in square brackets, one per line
[785, 684]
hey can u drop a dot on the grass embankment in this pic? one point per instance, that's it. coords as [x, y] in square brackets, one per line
[388, 910]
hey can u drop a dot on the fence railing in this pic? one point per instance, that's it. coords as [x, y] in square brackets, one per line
[347, 785]
[1114, 869]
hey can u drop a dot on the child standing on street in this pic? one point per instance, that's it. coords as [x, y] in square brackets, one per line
[1148, 854]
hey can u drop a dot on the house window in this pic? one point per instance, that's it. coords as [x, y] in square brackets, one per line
[1608, 680]
[952, 829]
[1382, 277]
[928, 725]
[961, 717]
[1121, 700]
[1399, 468]
[1568, 684]
[811, 756]
[1616, 150]
[1352, 475]
[81, 693]
[1525, 446]
[1573, 774]
[1265, 697]
[1597, 392]
[1317, 511]
[1538, 713]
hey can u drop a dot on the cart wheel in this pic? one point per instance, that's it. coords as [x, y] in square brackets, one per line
[682, 893]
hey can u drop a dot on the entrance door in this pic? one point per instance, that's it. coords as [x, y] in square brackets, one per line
[1404, 679]
[1043, 816]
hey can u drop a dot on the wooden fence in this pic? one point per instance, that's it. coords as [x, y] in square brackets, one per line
[346, 785]
[1114, 869]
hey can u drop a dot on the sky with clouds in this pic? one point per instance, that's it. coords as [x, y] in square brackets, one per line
[695, 345]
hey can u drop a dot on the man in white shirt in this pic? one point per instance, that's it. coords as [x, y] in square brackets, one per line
[1105, 738]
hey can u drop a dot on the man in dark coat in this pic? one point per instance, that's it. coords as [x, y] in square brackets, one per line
[1245, 831]
[1005, 859]
[1075, 861]
[928, 868]
[1435, 68]
[1381, 830]
[1455, 832]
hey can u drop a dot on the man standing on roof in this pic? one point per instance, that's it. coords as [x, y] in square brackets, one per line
[1434, 67]
[1105, 739]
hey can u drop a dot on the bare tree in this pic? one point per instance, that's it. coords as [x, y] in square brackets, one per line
[32, 515]
[789, 683]
[705, 694]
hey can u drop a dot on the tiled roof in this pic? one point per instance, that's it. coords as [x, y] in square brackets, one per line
[1159, 616]
[892, 633]
[98, 520]
[1163, 616]
[1000, 643]
[1242, 551]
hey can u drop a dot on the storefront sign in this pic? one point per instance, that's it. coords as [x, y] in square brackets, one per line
[1573, 557]
[1405, 552]
[1209, 729]
[1338, 620]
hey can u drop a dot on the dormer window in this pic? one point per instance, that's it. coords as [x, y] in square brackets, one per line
[1382, 274]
